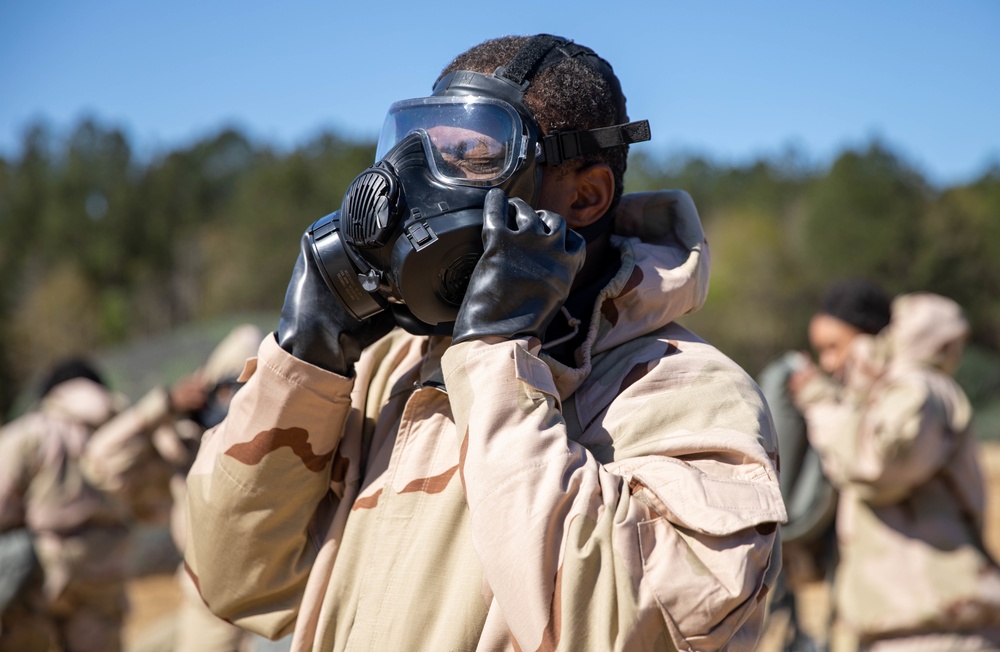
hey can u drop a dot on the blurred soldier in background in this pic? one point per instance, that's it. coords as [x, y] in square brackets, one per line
[895, 438]
[198, 630]
[849, 308]
[125, 459]
[78, 531]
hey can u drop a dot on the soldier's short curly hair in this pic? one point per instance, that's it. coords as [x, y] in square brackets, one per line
[570, 95]
[68, 369]
[860, 302]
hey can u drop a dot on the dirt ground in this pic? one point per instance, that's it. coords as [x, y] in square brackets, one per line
[991, 469]
[154, 600]
[155, 597]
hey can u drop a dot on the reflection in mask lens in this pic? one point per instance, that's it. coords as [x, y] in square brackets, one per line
[466, 154]
[470, 143]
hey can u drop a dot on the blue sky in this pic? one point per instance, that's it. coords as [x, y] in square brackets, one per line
[731, 80]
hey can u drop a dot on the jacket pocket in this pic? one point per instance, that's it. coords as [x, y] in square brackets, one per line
[705, 558]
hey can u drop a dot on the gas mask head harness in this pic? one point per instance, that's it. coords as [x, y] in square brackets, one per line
[409, 231]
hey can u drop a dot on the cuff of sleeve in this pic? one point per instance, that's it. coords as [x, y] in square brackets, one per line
[499, 359]
[285, 394]
[324, 384]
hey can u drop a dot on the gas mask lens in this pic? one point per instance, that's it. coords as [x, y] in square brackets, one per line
[470, 141]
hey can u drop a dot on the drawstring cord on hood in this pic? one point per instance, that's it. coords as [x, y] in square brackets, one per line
[574, 324]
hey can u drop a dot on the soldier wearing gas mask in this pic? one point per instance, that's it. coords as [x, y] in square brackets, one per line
[539, 456]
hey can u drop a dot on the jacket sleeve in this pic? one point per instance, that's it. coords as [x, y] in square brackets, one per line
[831, 424]
[886, 444]
[673, 544]
[255, 486]
[120, 458]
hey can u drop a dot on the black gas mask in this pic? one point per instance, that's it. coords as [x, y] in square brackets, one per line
[409, 231]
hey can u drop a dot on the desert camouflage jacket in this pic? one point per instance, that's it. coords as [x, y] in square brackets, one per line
[486, 497]
[144, 454]
[124, 460]
[78, 530]
[898, 443]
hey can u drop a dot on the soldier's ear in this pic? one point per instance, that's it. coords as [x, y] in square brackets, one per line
[581, 196]
[593, 191]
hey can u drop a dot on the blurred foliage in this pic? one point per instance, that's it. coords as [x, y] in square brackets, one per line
[99, 248]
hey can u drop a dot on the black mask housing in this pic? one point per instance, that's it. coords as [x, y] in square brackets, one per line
[409, 231]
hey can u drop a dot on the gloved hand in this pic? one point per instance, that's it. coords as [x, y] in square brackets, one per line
[529, 261]
[316, 327]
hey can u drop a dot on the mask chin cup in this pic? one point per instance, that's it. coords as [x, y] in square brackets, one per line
[356, 291]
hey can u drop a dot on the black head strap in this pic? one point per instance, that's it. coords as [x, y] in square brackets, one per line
[528, 61]
[565, 145]
[544, 50]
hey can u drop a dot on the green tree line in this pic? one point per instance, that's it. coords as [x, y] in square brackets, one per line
[100, 246]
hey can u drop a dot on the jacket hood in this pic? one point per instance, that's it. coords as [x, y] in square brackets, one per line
[663, 276]
[664, 266]
[82, 400]
[923, 325]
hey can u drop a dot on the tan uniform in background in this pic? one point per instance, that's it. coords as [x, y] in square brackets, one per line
[198, 629]
[77, 473]
[80, 534]
[913, 573]
[175, 441]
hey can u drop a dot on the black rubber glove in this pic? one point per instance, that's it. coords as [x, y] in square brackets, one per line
[316, 327]
[530, 259]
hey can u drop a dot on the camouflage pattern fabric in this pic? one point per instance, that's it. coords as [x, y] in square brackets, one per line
[121, 461]
[124, 458]
[487, 497]
[198, 629]
[79, 532]
[898, 444]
